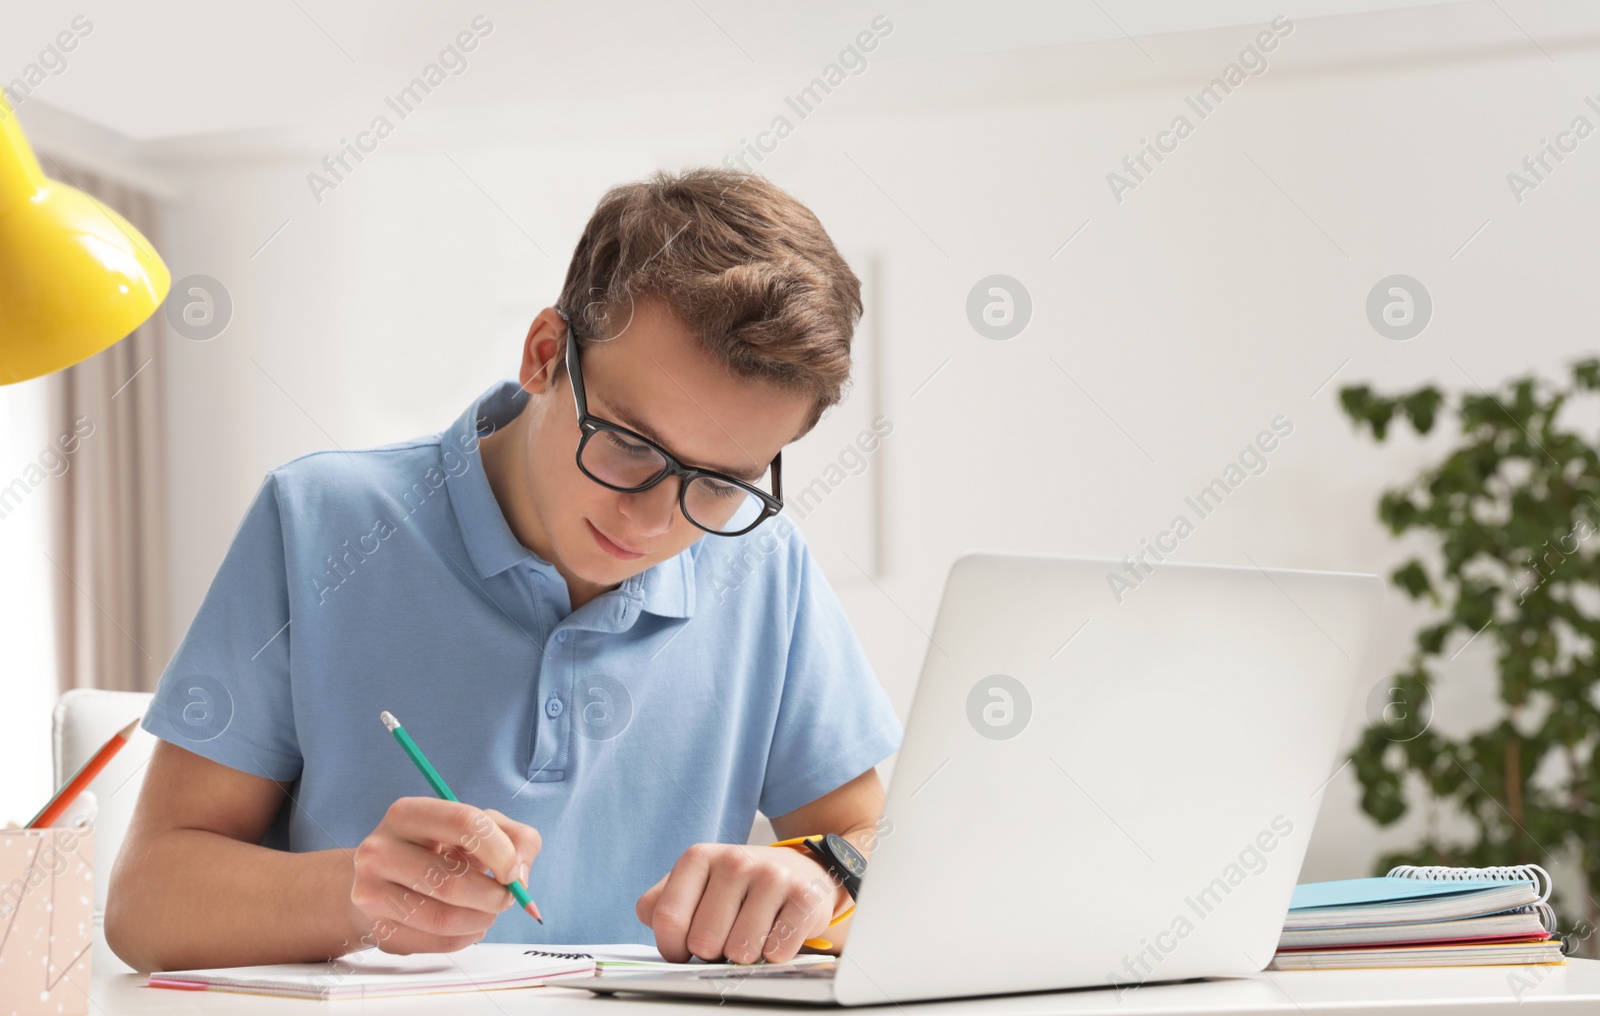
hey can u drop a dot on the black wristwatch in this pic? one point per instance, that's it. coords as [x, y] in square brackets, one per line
[834, 853]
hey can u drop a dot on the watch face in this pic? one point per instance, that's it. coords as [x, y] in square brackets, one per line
[846, 853]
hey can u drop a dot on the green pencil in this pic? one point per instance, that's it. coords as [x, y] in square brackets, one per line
[436, 781]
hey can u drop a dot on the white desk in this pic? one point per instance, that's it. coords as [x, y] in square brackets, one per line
[1545, 991]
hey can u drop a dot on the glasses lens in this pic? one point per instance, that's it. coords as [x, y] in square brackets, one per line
[617, 459]
[723, 507]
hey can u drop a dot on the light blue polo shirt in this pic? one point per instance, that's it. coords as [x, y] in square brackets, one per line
[660, 714]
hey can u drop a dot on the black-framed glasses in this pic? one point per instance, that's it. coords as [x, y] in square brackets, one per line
[623, 460]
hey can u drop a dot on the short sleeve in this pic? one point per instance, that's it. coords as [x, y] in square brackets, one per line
[226, 693]
[834, 719]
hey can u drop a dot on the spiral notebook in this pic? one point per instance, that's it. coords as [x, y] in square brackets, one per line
[1422, 916]
[372, 973]
[627, 957]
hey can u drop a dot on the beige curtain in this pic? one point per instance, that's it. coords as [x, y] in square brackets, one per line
[109, 521]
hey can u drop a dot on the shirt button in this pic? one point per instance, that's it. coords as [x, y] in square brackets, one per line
[552, 707]
[561, 636]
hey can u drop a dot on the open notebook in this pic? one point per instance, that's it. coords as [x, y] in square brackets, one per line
[372, 973]
[625, 957]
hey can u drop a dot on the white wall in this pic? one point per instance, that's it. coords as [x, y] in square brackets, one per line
[28, 666]
[1209, 301]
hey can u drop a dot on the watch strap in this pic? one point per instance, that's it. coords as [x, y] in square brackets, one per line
[801, 843]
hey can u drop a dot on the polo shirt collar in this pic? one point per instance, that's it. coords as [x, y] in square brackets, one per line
[665, 588]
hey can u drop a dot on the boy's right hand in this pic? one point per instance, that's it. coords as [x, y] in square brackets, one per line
[422, 881]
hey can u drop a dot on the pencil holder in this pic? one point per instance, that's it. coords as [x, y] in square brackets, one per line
[46, 920]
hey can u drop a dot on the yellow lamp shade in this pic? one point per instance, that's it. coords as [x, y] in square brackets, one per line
[75, 277]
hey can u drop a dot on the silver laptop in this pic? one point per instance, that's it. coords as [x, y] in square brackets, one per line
[1103, 783]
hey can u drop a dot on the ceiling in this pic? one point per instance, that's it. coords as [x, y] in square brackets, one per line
[182, 68]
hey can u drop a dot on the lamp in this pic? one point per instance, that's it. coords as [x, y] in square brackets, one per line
[75, 277]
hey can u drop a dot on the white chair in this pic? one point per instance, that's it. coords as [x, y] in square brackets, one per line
[84, 720]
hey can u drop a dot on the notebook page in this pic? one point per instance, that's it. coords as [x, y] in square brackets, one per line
[372, 972]
[630, 956]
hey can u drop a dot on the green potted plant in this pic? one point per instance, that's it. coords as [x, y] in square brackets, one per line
[1511, 511]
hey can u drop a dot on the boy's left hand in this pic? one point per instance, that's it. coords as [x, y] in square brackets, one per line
[740, 902]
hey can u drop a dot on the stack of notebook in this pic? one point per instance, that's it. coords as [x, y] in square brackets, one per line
[1422, 917]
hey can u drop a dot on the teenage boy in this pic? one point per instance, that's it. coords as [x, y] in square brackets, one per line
[576, 599]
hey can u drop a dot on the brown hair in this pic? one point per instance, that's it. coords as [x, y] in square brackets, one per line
[744, 265]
